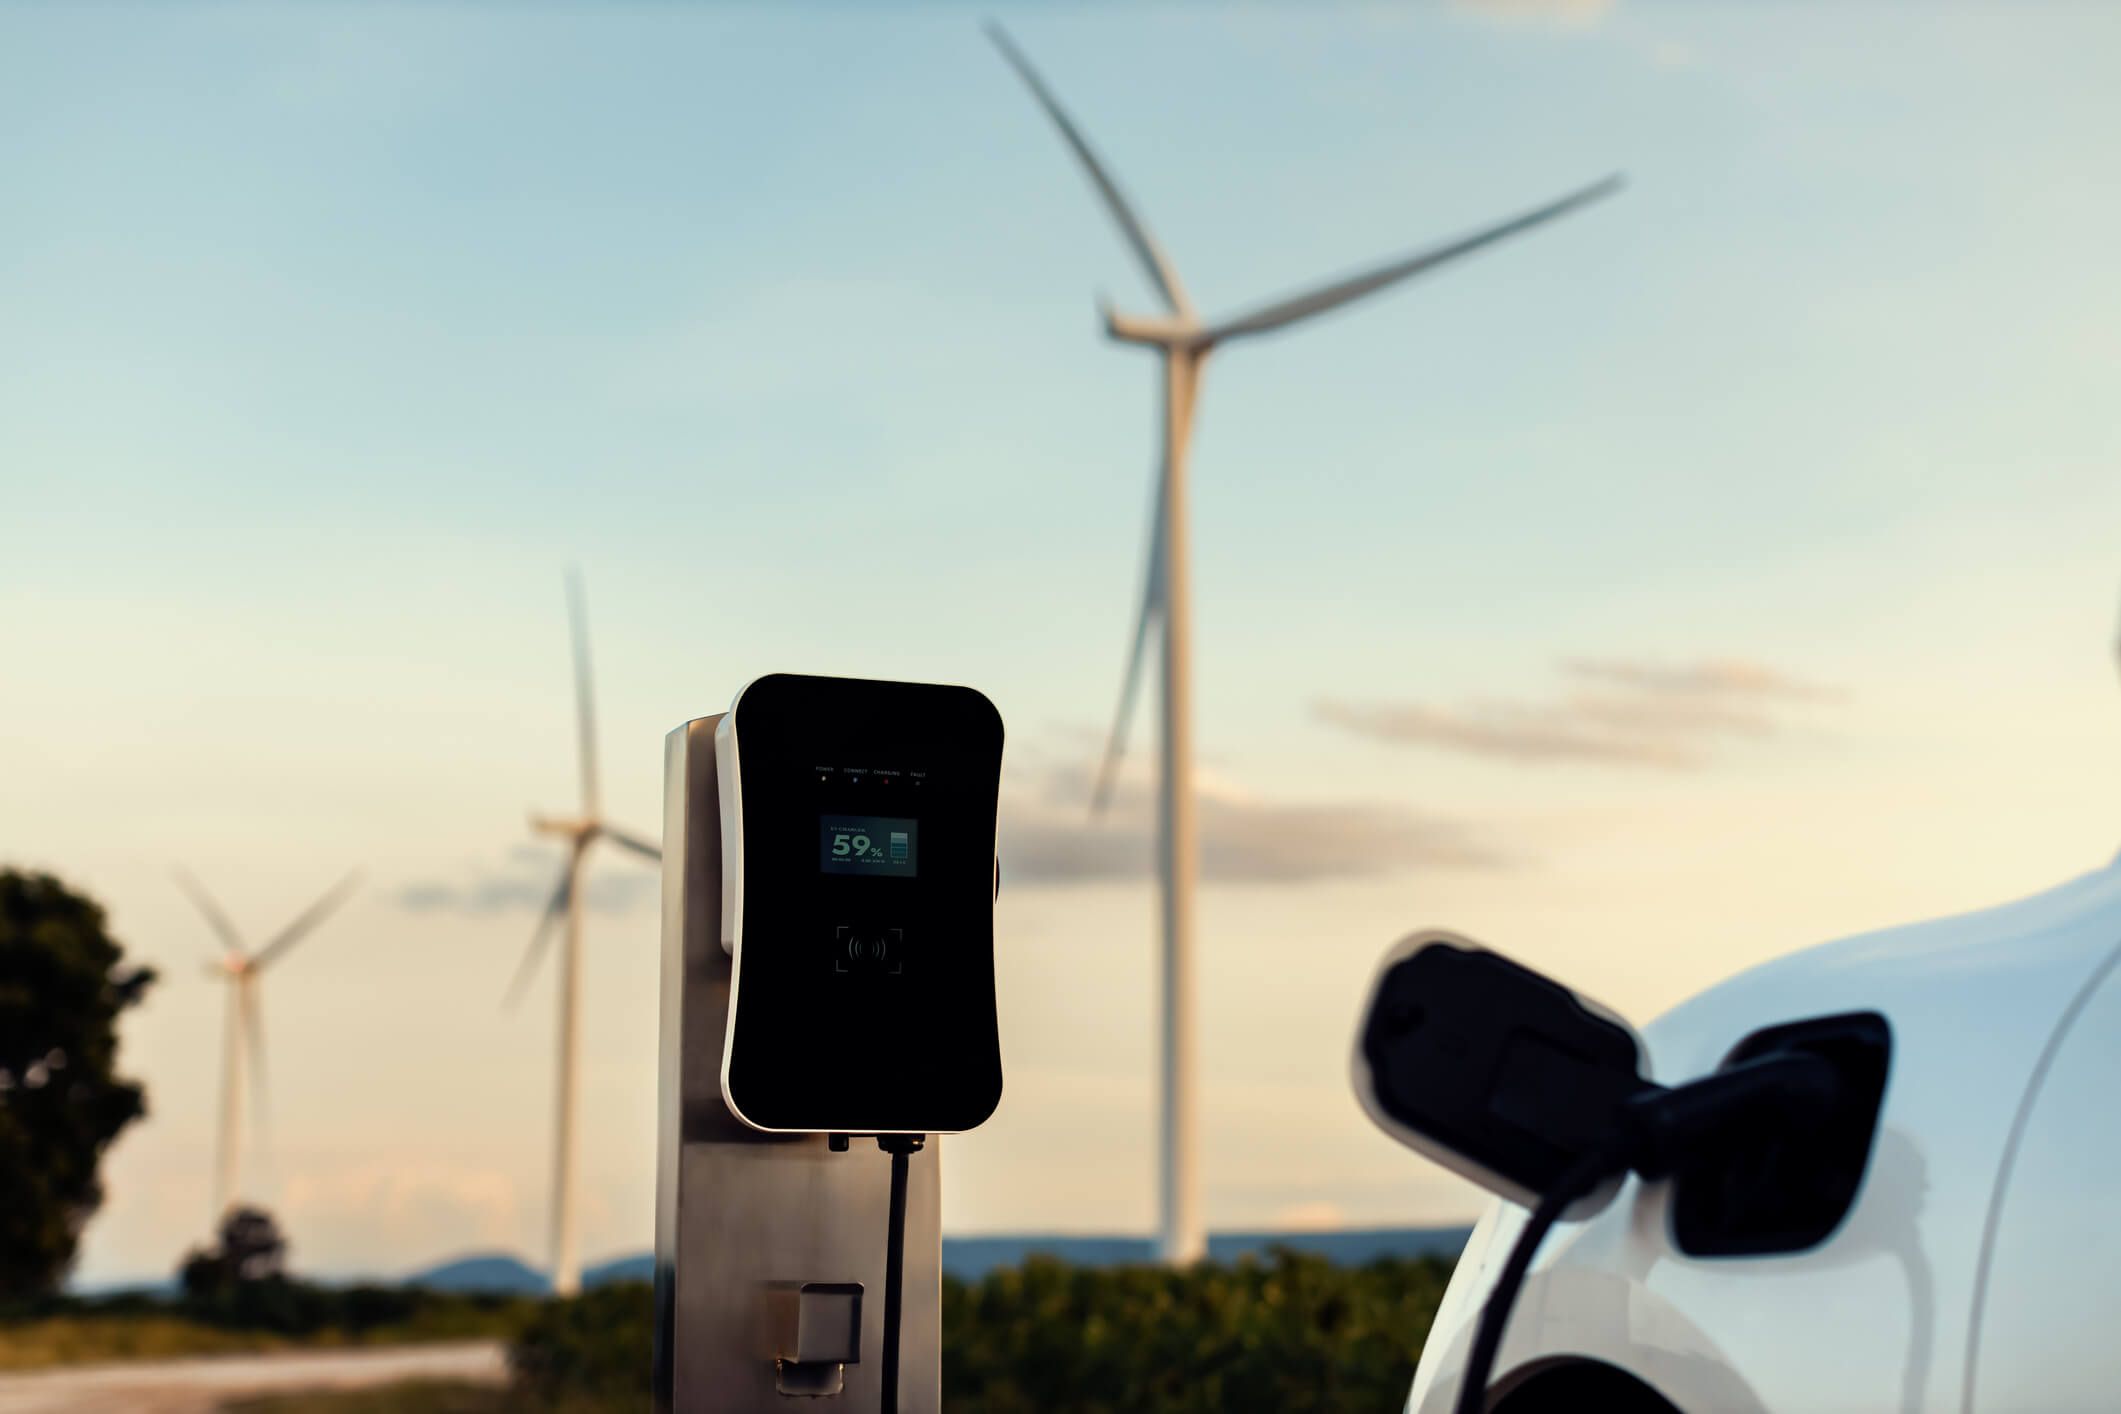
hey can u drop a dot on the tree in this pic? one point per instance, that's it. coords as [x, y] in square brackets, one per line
[251, 1251]
[242, 1282]
[63, 983]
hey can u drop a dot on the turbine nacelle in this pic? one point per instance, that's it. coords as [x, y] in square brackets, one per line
[577, 828]
[1162, 331]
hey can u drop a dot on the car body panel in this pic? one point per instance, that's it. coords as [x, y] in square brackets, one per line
[2044, 1325]
[1878, 1316]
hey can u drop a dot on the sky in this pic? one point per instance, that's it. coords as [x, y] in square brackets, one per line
[1726, 568]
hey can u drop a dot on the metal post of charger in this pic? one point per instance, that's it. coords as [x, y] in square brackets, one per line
[769, 1249]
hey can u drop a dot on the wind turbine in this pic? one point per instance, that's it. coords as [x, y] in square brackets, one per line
[580, 832]
[243, 1033]
[1183, 340]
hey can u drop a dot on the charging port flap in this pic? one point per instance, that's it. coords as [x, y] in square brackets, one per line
[1783, 1186]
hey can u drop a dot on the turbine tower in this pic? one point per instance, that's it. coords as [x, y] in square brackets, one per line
[1183, 341]
[243, 1032]
[580, 832]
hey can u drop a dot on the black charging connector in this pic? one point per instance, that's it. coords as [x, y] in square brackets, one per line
[901, 1148]
[1692, 1130]
[1692, 1126]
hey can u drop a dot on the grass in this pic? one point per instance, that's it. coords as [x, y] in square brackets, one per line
[92, 1337]
[87, 1340]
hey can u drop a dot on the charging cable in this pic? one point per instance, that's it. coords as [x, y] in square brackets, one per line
[901, 1148]
[1654, 1134]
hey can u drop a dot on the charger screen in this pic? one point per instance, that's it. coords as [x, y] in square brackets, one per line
[876, 845]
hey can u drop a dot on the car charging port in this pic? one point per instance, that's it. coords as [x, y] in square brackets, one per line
[1766, 1155]
[1778, 1171]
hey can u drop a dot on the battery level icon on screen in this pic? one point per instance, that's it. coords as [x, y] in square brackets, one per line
[900, 848]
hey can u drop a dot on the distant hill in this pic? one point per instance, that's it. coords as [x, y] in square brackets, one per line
[970, 1258]
[637, 1268]
[973, 1257]
[484, 1271]
[506, 1274]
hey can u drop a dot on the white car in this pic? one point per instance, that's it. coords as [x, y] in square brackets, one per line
[1979, 1266]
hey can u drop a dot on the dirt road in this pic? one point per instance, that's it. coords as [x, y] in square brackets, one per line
[200, 1386]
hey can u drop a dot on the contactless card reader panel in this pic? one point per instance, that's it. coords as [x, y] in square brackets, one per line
[858, 825]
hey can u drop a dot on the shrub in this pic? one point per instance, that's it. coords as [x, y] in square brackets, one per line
[1292, 1334]
[594, 1346]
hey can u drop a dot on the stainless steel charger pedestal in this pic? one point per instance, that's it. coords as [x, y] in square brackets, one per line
[769, 1249]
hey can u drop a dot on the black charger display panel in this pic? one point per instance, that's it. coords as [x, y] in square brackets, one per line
[858, 823]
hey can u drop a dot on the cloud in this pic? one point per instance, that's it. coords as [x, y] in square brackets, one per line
[1716, 677]
[1048, 836]
[1564, 14]
[1667, 716]
[1504, 730]
[523, 881]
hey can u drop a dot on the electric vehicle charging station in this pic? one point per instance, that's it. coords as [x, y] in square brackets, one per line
[827, 1008]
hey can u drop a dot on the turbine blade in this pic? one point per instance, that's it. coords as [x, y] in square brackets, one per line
[1130, 684]
[631, 841]
[585, 707]
[541, 937]
[310, 917]
[254, 1043]
[215, 918]
[1303, 306]
[1152, 258]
